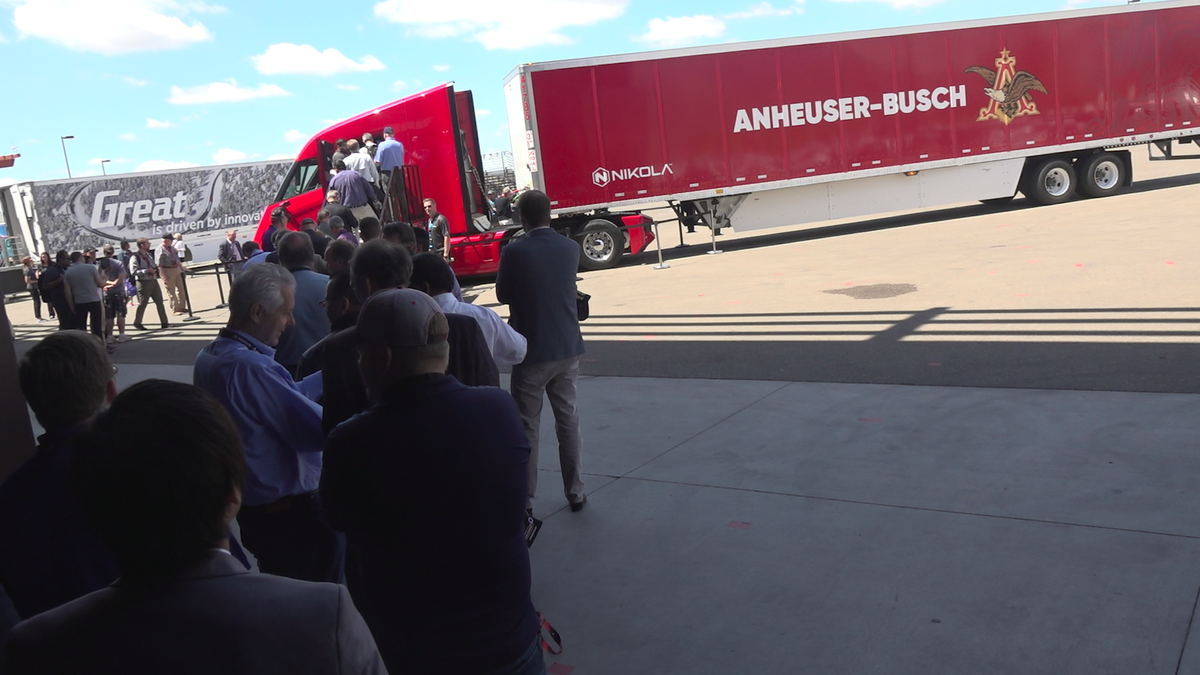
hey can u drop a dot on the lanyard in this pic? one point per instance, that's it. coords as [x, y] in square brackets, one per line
[230, 335]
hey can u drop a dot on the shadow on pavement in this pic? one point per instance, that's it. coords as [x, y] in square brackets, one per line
[1104, 349]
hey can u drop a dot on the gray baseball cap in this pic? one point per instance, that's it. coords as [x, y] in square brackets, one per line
[399, 317]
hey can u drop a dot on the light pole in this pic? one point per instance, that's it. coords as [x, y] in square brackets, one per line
[102, 163]
[63, 140]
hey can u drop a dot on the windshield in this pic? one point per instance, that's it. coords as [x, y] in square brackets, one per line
[301, 178]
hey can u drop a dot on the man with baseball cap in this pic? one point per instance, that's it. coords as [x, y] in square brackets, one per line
[435, 513]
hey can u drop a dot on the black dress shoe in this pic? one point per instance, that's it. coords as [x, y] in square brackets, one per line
[576, 507]
[139, 326]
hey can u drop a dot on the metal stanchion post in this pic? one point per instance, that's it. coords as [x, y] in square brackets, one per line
[220, 289]
[679, 220]
[713, 229]
[183, 280]
[661, 265]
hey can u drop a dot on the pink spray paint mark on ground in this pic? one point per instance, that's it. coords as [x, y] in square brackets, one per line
[1170, 262]
[1079, 264]
[739, 525]
[559, 669]
[1024, 295]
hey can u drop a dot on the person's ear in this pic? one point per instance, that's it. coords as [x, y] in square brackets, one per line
[110, 392]
[256, 313]
[233, 505]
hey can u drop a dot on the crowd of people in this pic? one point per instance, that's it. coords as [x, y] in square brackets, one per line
[85, 292]
[349, 417]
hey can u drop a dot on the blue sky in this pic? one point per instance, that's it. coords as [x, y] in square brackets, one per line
[160, 83]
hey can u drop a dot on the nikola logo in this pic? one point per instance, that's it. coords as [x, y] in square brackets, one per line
[602, 176]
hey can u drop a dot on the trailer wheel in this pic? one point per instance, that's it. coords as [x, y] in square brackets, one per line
[602, 245]
[1052, 182]
[1101, 174]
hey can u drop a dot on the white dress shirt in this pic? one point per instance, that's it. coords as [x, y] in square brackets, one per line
[364, 165]
[506, 344]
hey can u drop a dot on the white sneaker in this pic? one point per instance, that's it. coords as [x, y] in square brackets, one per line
[123, 338]
[110, 340]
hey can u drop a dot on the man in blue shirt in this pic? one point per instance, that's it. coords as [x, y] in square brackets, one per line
[390, 153]
[296, 255]
[280, 428]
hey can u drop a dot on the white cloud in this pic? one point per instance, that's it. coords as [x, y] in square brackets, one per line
[521, 23]
[161, 164]
[152, 123]
[282, 156]
[682, 30]
[112, 27]
[348, 87]
[223, 92]
[134, 82]
[482, 112]
[399, 85]
[129, 136]
[441, 67]
[226, 155]
[289, 59]
[763, 9]
[292, 136]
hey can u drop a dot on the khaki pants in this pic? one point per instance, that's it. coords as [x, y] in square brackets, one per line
[171, 278]
[557, 380]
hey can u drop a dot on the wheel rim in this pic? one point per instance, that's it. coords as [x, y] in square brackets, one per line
[1057, 182]
[1106, 175]
[598, 246]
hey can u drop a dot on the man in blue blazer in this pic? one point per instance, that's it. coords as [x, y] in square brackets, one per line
[537, 281]
[182, 603]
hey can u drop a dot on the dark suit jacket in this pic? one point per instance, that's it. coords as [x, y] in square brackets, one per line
[436, 510]
[225, 252]
[345, 393]
[537, 281]
[215, 618]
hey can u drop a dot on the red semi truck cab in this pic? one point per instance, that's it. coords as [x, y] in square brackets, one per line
[443, 162]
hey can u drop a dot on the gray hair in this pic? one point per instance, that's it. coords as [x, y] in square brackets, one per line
[260, 284]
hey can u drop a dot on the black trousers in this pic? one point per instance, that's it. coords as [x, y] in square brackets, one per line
[37, 303]
[290, 538]
[83, 310]
[66, 318]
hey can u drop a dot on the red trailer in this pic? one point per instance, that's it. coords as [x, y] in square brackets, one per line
[781, 132]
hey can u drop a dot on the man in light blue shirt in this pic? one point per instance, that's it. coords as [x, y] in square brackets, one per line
[311, 324]
[390, 153]
[280, 428]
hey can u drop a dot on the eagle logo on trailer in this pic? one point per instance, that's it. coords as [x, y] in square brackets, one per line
[1009, 90]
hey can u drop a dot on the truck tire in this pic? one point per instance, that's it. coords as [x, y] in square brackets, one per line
[1052, 182]
[602, 245]
[1101, 174]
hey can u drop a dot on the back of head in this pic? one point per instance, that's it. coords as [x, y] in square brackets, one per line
[352, 145]
[339, 249]
[384, 264]
[295, 250]
[368, 228]
[336, 223]
[65, 378]
[432, 270]
[279, 216]
[534, 206]
[249, 248]
[160, 506]
[399, 233]
[76, 256]
[260, 284]
[339, 165]
[340, 288]
[308, 224]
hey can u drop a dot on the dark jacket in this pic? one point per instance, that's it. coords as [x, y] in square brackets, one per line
[214, 618]
[537, 282]
[436, 509]
[345, 393]
[49, 553]
[343, 212]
